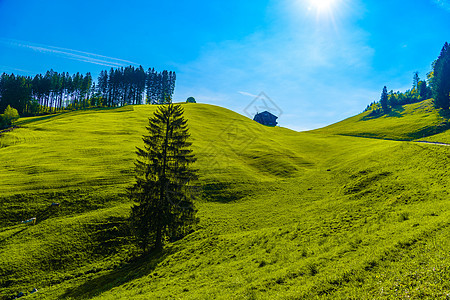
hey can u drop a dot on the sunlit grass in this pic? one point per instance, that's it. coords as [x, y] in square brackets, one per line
[284, 215]
[408, 122]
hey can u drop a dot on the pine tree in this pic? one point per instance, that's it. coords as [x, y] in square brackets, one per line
[165, 87]
[164, 208]
[140, 76]
[422, 89]
[102, 86]
[384, 100]
[441, 79]
[149, 81]
[416, 80]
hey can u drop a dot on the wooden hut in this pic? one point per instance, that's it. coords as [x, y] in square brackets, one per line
[266, 118]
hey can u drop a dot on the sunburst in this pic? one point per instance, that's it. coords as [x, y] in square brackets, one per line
[323, 6]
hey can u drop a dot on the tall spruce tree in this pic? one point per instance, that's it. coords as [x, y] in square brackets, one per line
[441, 79]
[416, 80]
[422, 89]
[102, 86]
[164, 208]
[384, 100]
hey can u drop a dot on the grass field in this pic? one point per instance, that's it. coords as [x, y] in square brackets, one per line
[408, 122]
[284, 215]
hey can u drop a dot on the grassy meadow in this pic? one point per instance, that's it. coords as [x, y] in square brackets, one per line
[407, 122]
[283, 215]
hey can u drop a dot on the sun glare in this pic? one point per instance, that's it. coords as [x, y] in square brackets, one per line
[326, 11]
[322, 5]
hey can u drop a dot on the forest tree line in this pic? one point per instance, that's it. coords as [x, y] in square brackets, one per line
[436, 86]
[421, 90]
[55, 91]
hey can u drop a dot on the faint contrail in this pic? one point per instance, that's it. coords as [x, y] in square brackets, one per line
[70, 53]
[247, 94]
[4, 68]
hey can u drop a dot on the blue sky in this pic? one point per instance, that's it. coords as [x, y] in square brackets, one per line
[319, 61]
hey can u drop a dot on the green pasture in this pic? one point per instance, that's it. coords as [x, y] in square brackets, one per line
[283, 215]
[407, 122]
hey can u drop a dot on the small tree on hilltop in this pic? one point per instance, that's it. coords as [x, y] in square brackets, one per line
[384, 100]
[164, 208]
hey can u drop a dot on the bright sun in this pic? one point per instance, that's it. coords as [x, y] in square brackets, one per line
[322, 5]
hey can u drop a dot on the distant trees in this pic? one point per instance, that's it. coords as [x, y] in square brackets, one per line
[384, 100]
[416, 80]
[437, 86]
[55, 91]
[423, 90]
[420, 91]
[45, 93]
[393, 99]
[164, 206]
[441, 78]
[160, 86]
[15, 91]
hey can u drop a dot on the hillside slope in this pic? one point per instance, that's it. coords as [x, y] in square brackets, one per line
[408, 122]
[65, 151]
[283, 215]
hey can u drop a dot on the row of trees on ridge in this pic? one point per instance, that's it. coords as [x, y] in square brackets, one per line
[55, 91]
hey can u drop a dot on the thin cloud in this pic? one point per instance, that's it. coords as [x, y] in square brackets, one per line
[8, 69]
[73, 54]
[247, 94]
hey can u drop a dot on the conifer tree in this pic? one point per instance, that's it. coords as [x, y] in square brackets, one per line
[102, 85]
[422, 89]
[384, 100]
[441, 79]
[164, 208]
[416, 80]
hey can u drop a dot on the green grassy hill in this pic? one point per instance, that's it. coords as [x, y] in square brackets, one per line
[284, 215]
[407, 122]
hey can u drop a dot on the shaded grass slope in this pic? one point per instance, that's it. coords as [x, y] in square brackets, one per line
[283, 215]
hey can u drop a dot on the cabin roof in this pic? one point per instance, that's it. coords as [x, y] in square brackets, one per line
[267, 114]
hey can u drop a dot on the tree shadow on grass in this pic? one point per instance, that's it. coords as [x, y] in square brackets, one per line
[40, 118]
[433, 130]
[136, 268]
[50, 116]
[395, 112]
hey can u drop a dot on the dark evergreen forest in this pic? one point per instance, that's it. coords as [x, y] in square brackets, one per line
[55, 91]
